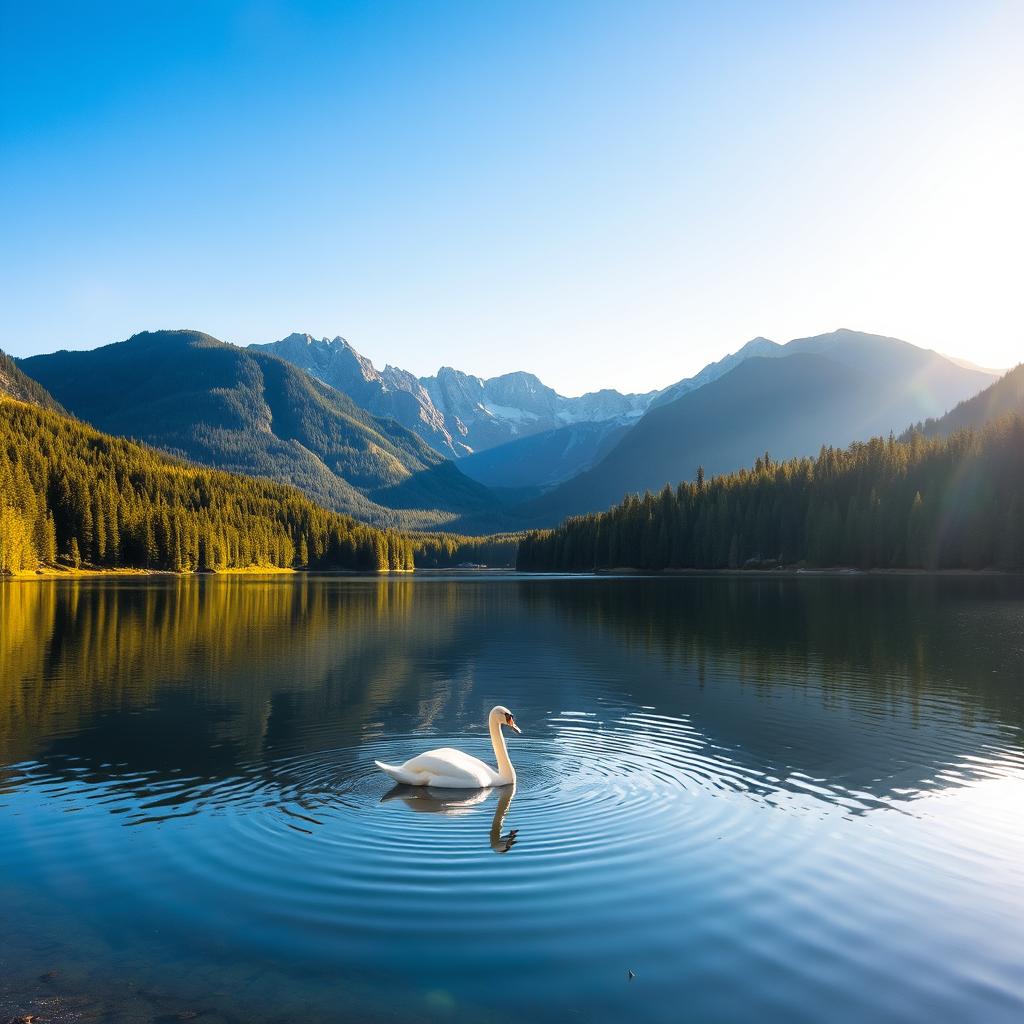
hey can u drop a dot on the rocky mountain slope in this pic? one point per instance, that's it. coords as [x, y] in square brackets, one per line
[14, 383]
[456, 413]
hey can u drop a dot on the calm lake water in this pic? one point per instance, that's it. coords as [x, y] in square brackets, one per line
[772, 800]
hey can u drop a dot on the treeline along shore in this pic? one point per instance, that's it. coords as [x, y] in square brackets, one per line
[73, 497]
[914, 503]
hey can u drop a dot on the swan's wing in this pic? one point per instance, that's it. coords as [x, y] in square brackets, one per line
[399, 774]
[447, 768]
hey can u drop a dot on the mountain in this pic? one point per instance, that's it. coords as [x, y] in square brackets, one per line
[16, 384]
[454, 412]
[545, 459]
[391, 393]
[757, 347]
[1004, 397]
[249, 412]
[828, 390]
[490, 412]
[968, 365]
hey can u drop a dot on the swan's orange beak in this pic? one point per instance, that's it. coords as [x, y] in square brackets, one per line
[512, 725]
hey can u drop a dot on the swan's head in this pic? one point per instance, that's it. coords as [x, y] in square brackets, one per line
[505, 717]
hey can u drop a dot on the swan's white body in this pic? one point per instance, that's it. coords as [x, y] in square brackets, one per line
[448, 768]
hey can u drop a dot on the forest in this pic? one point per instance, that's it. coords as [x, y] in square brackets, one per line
[918, 502]
[73, 496]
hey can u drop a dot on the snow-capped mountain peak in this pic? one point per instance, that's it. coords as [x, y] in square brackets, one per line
[455, 412]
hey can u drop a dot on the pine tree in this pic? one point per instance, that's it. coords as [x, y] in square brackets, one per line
[48, 553]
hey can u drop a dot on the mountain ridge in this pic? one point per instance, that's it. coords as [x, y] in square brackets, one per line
[457, 413]
[831, 389]
[191, 394]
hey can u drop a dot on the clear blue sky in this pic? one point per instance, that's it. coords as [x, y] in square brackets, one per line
[608, 194]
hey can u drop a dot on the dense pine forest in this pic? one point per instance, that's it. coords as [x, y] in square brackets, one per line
[71, 495]
[920, 502]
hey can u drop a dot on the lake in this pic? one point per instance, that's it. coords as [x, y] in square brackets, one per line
[769, 799]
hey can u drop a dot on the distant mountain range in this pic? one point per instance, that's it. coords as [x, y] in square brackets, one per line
[544, 459]
[459, 452]
[514, 432]
[454, 412]
[539, 461]
[787, 399]
[248, 412]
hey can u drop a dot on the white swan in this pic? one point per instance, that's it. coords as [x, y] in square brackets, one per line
[452, 769]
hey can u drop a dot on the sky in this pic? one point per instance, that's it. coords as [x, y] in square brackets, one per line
[605, 194]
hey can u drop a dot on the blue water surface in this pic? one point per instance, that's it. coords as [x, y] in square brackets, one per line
[792, 800]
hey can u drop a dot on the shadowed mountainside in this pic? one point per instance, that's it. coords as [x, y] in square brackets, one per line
[544, 459]
[1003, 398]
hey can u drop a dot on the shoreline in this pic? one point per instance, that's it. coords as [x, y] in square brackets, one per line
[62, 573]
[789, 572]
[50, 573]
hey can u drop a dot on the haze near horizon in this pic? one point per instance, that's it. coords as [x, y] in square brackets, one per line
[608, 197]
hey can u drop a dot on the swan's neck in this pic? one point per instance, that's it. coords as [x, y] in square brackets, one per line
[498, 842]
[506, 773]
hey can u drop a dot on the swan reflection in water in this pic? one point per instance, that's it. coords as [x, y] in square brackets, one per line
[454, 802]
